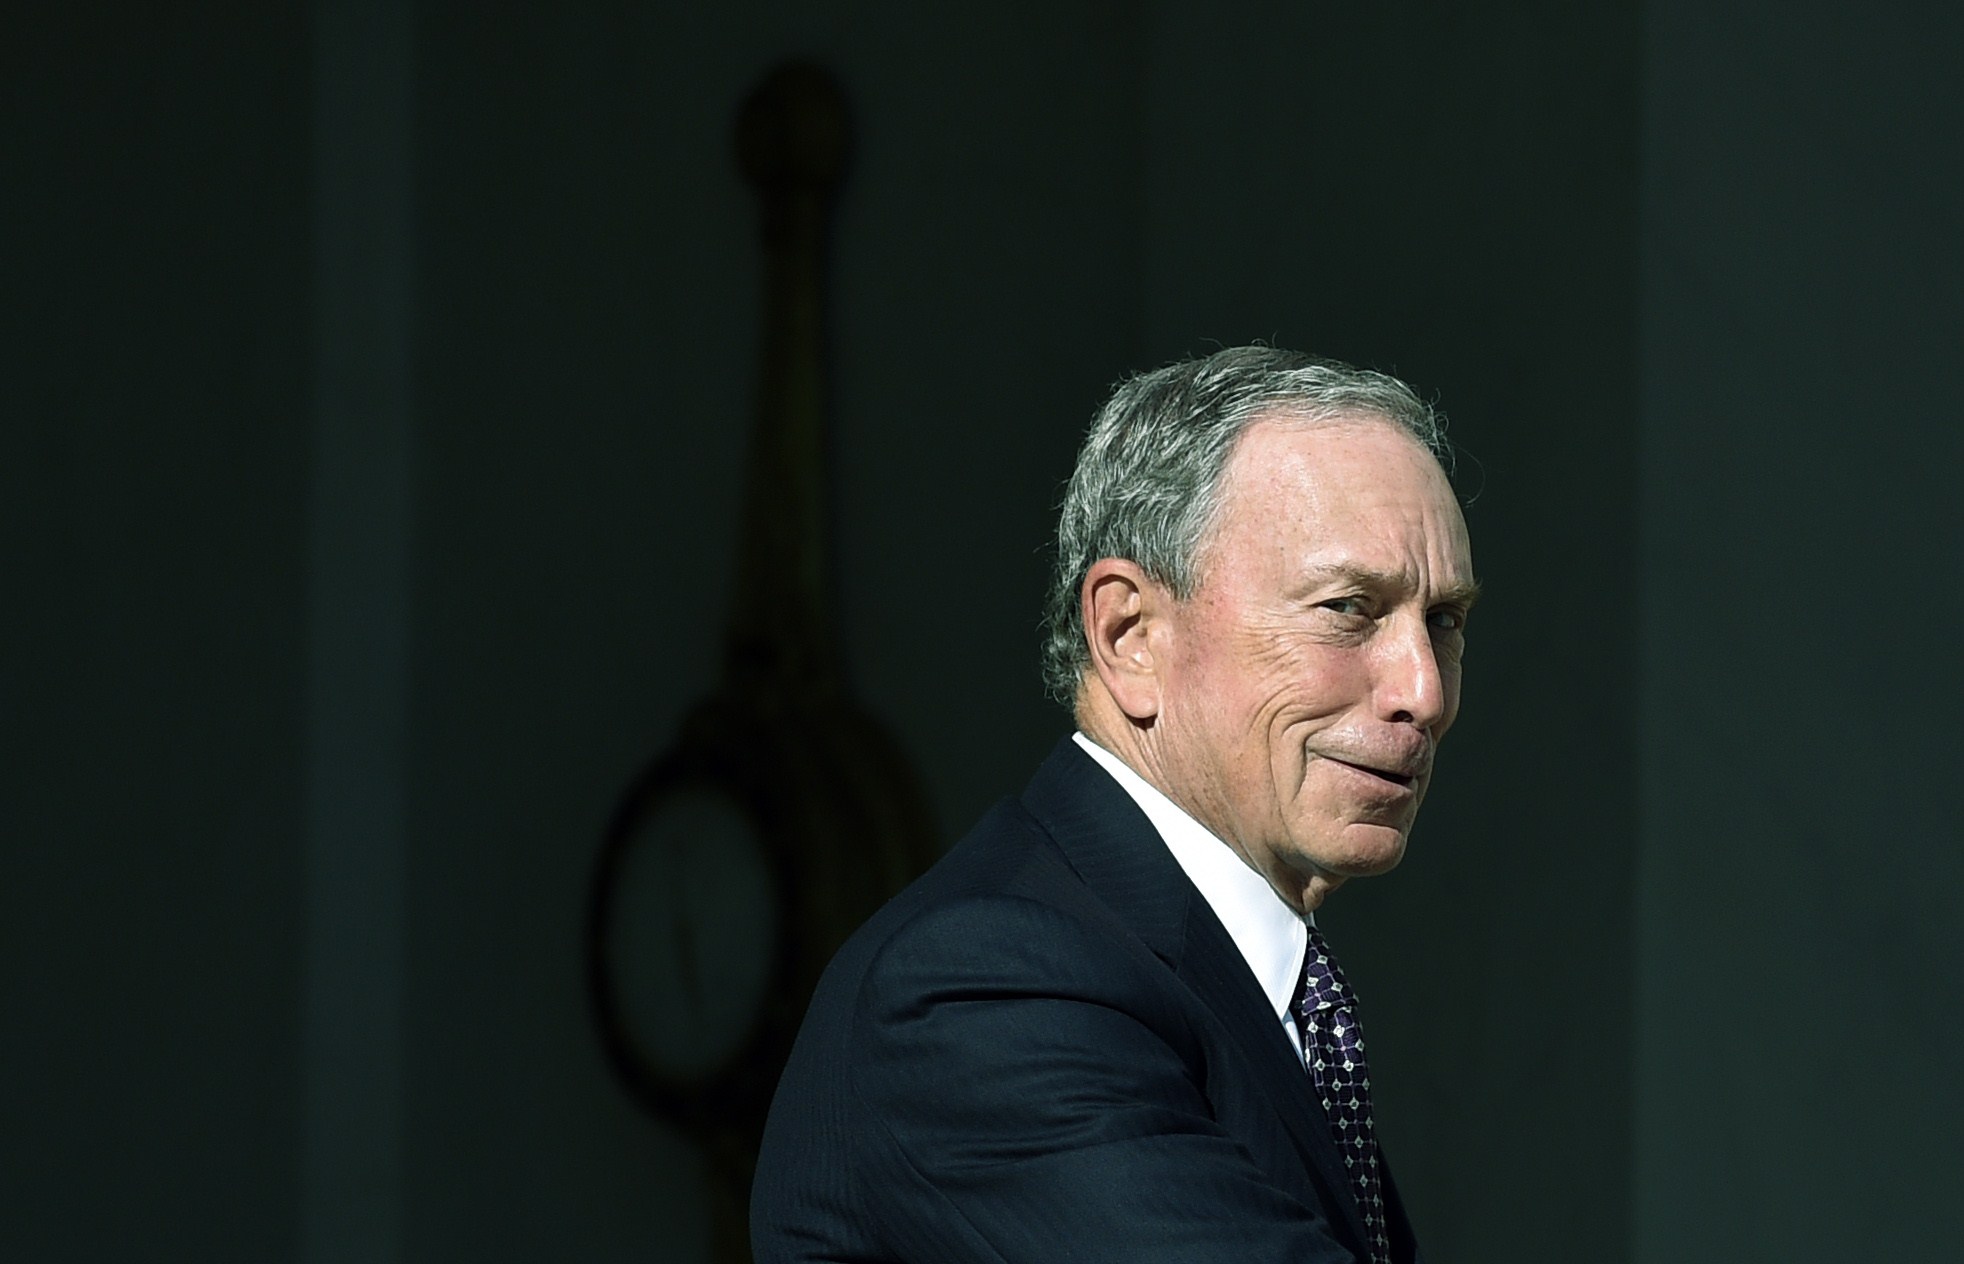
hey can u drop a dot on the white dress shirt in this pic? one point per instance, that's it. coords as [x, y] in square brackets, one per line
[1270, 934]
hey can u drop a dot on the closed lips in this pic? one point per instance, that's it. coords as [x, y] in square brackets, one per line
[1401, 778]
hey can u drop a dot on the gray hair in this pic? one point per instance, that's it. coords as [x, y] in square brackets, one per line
[1147, 483]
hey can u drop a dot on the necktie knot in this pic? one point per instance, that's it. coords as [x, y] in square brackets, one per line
[1323, 985]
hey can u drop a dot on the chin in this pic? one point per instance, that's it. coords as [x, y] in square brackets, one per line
[1363, 851]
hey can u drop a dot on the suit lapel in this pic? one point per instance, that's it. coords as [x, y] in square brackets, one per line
[1215, 970]
[1114, 848]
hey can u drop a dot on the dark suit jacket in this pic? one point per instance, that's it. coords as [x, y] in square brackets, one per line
[1049, 1049]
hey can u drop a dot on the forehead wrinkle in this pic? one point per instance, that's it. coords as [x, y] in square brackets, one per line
[1289, 489]
[1462, 593]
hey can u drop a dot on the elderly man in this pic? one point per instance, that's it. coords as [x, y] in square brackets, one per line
[1105, 1027]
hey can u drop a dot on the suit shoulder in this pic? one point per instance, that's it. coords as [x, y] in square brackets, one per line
[1003, 905]
[1004, 945]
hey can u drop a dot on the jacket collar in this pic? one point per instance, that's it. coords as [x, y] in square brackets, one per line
[1111, 845]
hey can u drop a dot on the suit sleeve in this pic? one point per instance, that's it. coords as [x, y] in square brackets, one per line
[1031, 1090]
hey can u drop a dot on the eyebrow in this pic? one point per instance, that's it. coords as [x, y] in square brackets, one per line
[1463, 595]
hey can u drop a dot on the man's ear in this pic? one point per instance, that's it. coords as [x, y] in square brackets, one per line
[1123, 613]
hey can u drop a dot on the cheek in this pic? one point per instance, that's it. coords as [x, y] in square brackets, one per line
[1324, 683]
[1263, 698]
[1319, 694]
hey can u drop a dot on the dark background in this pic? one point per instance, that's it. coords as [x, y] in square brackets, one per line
[372, 420]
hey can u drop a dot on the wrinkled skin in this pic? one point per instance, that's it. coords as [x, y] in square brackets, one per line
[1294, 703]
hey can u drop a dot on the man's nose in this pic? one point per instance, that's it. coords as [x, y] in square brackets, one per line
[1411, 687]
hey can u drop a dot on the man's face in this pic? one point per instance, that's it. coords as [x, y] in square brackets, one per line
[1307, 681]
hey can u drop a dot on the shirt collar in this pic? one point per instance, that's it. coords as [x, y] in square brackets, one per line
[1271, 936]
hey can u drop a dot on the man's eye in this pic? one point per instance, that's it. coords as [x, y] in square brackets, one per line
[1344, 605]
[1446, 620]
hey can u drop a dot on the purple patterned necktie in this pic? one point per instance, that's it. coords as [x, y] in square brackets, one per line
[1333, 1046]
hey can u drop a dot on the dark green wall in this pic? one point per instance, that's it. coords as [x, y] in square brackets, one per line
[1799, 947]
[1687, 290]
[153, 473]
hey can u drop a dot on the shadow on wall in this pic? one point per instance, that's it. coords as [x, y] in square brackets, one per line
[785, 814]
